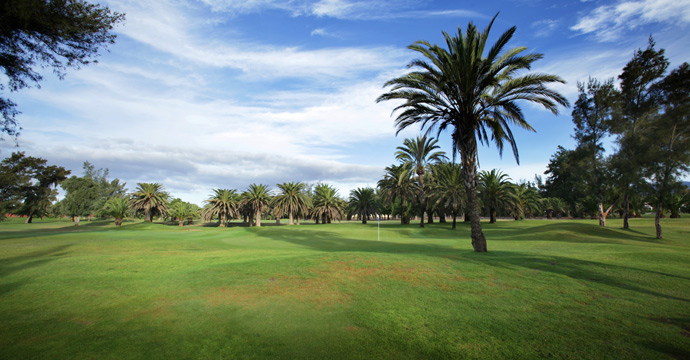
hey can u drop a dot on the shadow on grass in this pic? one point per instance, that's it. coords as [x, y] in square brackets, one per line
[568, 232]
[26, 261]
[582, 270]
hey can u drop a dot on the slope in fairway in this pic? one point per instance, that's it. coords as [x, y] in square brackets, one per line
[547, 288]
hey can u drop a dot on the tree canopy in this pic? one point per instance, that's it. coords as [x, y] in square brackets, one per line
[56, 34]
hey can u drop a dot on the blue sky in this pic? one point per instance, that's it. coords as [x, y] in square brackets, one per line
[210, 94]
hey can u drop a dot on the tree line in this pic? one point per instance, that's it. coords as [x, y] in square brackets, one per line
[647, 116]
[422, 185]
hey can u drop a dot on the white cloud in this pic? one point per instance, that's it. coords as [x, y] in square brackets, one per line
[339, 9]
[174, 33]
[323, 32]
[545, 27]
[608, 23]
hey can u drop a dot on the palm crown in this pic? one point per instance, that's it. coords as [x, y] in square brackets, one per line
[150, 196]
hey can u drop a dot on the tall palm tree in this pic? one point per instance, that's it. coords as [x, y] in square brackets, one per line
[449, 189]
[292, 200]
[420, 153]
[397, 184]
[327, 205]
[150, 197]
[363, 203]
[473, 95]
[494, 189]
[117, 207]
[223, 203]
[258, 198]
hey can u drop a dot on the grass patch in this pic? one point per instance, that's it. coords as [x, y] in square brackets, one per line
[558, 288]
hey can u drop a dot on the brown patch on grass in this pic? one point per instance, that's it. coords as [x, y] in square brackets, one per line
[157, 312]
[324, 283]
[363, 272]
[353, 328]
[317, 291]
[82, 322]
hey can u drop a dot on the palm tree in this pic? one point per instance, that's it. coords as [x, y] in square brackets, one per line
[258, 198]
[494, 188]
[327, 205]
[150, 197]
[523, 200]
[449, 190]
[474, 96]
[117, 207]
[420, 153]
[397, 184]
[363, 203]
[292, 200]
[223, 203]
[553, 205]
[182, 210]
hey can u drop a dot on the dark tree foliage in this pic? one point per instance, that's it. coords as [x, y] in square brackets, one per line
[27, 185]
[667, 139]
[638, 102]
[565, 177]
[592, 115]
[80, 198]
[56, 34]
[104, 189]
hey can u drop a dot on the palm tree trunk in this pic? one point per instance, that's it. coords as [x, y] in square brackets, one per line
[118, 222]
[221, 219]
[430, 217]
[180, 222]
[468, 154]
[29, 219]
[76, 221]
[147, 214]
[291, 219]
[258, 219]
[455, 215]
[493, 216]
[422, 203]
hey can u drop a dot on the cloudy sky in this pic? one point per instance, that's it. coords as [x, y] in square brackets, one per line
[202, 94]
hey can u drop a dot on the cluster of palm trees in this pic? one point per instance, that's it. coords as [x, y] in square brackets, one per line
[293, 200]
[425, 182]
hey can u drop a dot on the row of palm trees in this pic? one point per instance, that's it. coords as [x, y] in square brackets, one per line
[294, 200]
[423, 183]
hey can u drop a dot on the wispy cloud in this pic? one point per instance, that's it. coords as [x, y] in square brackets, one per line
[609, 22]
[323, 32]
[173, 33]
[338, 9]
[545, 27]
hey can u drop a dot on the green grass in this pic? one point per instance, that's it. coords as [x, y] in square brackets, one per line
[547, 289]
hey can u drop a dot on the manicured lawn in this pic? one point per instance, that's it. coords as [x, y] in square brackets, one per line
[547, 288]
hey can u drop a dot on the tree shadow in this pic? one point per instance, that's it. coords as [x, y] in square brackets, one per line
[567, 232]
[582, 270]
[14, 264]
